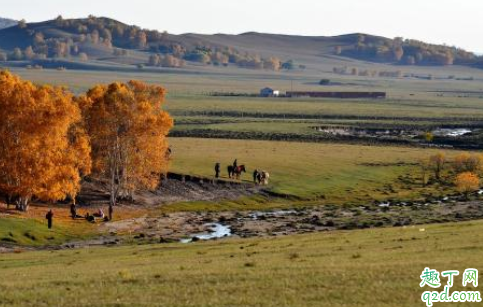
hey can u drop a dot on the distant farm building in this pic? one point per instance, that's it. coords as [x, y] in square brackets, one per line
[268, 92]
[342, 95]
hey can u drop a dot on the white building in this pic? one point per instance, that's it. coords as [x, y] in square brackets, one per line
[268, 92]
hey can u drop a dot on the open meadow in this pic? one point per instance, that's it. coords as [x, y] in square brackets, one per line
[328, 173]
[413, 106]
[376, 267]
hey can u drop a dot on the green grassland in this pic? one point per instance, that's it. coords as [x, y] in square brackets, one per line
[424, 104]
[411, 102]
[408, 108]
[334, 173]
[376, 267]
[34, 233]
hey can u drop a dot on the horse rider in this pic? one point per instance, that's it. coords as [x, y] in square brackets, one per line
[217, 170]
[235, 164]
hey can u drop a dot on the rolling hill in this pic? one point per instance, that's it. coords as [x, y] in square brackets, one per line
[96, 42]
[6, 23]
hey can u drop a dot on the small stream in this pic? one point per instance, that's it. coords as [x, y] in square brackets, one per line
[452, 132]
[217, 231]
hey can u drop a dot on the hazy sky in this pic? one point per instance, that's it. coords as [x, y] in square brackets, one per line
[454, 22]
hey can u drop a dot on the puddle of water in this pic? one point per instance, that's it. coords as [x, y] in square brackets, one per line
[217, 231]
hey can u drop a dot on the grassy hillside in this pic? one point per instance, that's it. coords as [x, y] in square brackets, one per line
[379, 267]
[112, 42]
[5, 23]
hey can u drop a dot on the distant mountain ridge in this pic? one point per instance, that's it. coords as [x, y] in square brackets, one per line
[105, 40]
[6, 23]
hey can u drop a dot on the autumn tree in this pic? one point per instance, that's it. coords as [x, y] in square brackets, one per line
[128, 129]
[425, 167]
[154, 60]
[107, 43]
[467, 182]
[398, 53]
[17, 54]
[448, 58]
[59, 21]
[61, 49]
[38, 38]
[141, 40]
[29, 53]
[94, 37]
[436, 163]
[171, 61]
[106, 34]
[43, 149]
[220, 58]
[22, 24]
[83, 57]
[428, 137]
[272, 63]
[466, 163]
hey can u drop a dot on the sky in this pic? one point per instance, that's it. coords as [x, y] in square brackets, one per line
[452, 22]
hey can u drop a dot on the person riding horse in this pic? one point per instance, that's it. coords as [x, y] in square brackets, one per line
[236, 172]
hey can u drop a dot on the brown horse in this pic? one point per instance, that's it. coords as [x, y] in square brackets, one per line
[235, 172]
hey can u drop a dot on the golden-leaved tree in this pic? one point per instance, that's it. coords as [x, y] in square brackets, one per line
[467, 182]
[127, 128]
[44, 151]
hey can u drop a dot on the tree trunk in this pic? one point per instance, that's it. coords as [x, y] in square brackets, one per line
[23, 204]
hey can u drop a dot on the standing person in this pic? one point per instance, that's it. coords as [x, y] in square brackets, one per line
[255, 176]
[217, 170]
[111, 211]
[49, 216]
[73, 211]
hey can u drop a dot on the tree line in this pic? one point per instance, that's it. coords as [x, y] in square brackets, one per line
[406, 52]
[355, 71]
[50, 139]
